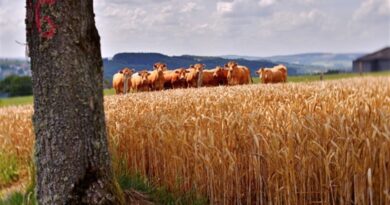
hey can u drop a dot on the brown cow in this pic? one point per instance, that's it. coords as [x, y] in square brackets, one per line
[140, 81]
[208, 78]
[167, 79]
[237, 74]
[119, 79]
[175, 79]
[214, 77]
[195, 75]
[276, 74]
[179, 78]
[270, 75]
[220, 75]
[156, 77]
[282, 69]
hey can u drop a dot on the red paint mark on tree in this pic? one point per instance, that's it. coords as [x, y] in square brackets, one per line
[51, 27]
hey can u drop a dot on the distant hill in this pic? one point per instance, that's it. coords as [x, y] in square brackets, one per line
[311, 62]
[328, 60]
[296, 64]
[140, 61]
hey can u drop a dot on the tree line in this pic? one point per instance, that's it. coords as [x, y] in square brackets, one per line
[16, 85]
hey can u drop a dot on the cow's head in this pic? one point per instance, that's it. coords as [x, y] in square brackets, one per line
[127, 72]
[198, 67]
[262, 72]
[160, 67]
[196, 73]
[231, 65]
[181, 73]
[144, 75]
[219, 72]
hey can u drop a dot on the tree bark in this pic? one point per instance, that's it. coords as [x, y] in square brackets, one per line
[72, 160]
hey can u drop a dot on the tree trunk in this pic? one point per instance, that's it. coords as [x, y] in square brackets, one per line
[72, 160]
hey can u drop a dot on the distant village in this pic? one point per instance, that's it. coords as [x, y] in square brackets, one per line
[19, 67]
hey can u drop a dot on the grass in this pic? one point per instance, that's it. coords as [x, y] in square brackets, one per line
[303, 78]
[108, 92]
[12, 101]
[159, 195]
[127, 181]
[9, 169]
[276, 144]
[130, 180]
[295, 143]
[312, 78]
[16, 101]
[16, 198]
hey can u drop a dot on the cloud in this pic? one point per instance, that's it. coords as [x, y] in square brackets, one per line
[287, 21]
[373, 9]
[188, 7]
[215, 27]
[225, 7]
[12, 28]
[266, 3]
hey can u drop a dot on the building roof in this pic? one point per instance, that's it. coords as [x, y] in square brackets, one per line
[383, 54]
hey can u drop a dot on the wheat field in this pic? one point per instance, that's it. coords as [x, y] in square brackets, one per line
[304, 143]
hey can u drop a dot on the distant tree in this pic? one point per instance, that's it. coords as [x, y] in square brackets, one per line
[16, 86]
[107, 83]
[333, 72]
[73, 165]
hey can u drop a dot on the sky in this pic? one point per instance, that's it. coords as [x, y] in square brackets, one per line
[223, 27]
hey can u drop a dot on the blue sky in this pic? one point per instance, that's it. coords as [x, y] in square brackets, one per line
[220, 27]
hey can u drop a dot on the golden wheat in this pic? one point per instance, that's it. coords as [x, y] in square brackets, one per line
[314, 143]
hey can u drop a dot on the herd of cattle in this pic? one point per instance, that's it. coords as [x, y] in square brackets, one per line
[195, 76]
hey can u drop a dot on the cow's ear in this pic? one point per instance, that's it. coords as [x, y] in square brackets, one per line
[187, 71]
[177, 71]
[155, 66]
[140, 74]
[121, 71]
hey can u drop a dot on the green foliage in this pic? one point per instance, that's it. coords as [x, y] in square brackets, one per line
[9, 169]
[159, 195]
[16, 198]
[16, 86]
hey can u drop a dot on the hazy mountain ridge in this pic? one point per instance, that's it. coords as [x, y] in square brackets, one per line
[140, 61]
[311, 62]
[297, 64]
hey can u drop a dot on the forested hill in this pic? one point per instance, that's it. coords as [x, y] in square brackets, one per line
[140, 61]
